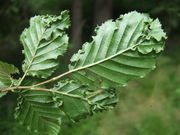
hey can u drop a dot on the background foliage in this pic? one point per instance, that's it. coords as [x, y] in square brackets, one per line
[147, 107]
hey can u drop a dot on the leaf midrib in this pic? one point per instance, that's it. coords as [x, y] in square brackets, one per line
[89, 65]
[33, 57]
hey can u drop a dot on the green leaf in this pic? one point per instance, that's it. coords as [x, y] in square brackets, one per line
[121, 51]
[2, 86]
[3, 94]
[156, 31]
[44, 112]
[80, 101]
[6, 80]
[43, 42]
[37, 111]
[6, 70]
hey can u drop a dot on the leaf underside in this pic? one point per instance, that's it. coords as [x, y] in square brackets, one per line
[43, 42]
[44, 112]
[122, 50]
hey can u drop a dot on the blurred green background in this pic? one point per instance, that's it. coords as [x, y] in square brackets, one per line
[149, 106]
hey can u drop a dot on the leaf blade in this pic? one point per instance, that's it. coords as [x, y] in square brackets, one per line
[37, 111]
[131, 34]
[6, 70]
[73, 103]
[6, 80]
[44, 41]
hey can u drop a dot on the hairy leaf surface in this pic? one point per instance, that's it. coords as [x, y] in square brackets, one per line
[121, 51]
[43, 42]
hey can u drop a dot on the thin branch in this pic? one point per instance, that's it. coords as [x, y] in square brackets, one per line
[34, 87]
[7, 89]
[46, 90]
[61, 93]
